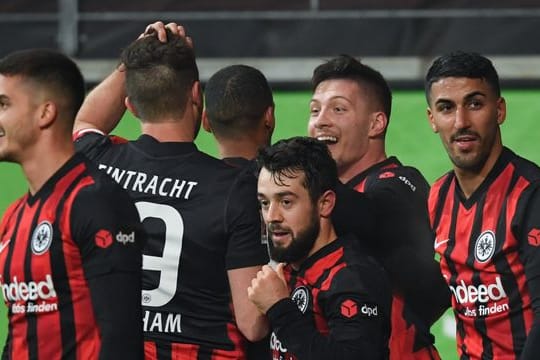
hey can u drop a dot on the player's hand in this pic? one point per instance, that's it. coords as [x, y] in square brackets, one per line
[159, 29]
[268, 288]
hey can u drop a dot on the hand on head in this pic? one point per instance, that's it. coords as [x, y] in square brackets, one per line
[158, 29]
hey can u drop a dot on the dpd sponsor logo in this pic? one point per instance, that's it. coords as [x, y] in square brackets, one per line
[125, 238]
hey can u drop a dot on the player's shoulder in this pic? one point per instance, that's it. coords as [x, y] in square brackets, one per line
[396, 177]
[9, 215]
[101, 184]
[358, 268]
[93, 143]
[524, 167]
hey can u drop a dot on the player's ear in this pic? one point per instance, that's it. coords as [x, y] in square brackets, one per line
[47, 114]
[431, 120]
[196, 94]
[327, 202]
[205, 123]
[269, 118]
[378, 124]
[501, 110]
[131, 107]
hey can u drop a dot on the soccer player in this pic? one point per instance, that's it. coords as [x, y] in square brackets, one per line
[349, 111]
[204, 243]
[327, 299]
[484, 213]
[70, 249]
[239, 112]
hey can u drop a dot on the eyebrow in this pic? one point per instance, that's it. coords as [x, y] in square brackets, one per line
[467, 97]
[279, 194]
[475, 93]
[332, 98]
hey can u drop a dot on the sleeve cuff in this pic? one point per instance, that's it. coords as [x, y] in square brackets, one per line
[283, 312]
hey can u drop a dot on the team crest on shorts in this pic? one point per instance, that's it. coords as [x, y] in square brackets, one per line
[42, 238]
[484, 248]
[300, 296]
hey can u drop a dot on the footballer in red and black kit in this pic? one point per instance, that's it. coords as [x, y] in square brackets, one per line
[181, 193]
[489, 245]
[325, 298]
[399, 197]
[70, 259]
[339, 307]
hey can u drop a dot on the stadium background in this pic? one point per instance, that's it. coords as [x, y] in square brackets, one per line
[286, 40]
[409, 136]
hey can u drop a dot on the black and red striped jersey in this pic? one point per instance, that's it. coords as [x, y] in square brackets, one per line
[70, 258]
[489, 246]
[339, 307]
[402, 243]
[202, 219]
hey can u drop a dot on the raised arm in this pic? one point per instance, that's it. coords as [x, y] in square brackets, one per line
[104, 105]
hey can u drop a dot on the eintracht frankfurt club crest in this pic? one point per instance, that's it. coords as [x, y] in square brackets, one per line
[41, 238]
[485, 246]
[300, 296]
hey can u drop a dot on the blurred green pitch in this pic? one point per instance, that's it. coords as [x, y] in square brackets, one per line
[409, 137]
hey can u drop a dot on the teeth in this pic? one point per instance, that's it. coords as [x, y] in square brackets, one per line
[327, 138]
[2, 132]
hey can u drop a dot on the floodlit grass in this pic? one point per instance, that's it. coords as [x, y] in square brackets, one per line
[409, 137]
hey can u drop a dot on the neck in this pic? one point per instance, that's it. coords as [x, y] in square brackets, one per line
[169, 131]
[470, 180]
[246, 148]
[44, 161]
[374, 155]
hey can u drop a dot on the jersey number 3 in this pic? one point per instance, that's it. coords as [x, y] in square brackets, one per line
[168, 265]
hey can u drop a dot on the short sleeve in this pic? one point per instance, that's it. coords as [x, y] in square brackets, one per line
[106, 227]
[246, 247]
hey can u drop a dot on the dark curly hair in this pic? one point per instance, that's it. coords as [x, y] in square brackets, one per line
[287, 157]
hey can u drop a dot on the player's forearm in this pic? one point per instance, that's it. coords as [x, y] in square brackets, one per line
[104, 106]
[254, 326]
[251, 323]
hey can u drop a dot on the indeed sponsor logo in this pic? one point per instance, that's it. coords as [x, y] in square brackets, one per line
[28, 291]
[125, 238]
[482, 293]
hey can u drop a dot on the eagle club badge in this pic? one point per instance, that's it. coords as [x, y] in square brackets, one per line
[300, 296]
[42, 238]
[484, 248]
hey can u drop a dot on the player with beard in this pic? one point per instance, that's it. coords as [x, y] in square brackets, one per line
[485, 214]
[326, 299]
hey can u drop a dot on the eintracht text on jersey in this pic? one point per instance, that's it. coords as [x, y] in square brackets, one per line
[150, 184]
